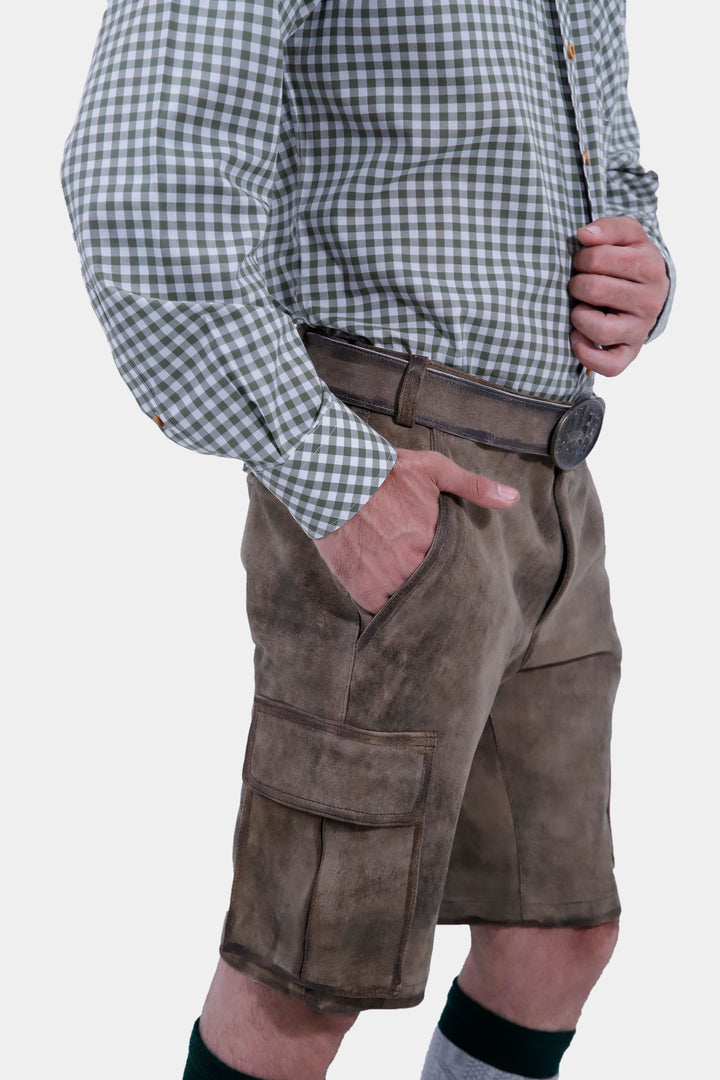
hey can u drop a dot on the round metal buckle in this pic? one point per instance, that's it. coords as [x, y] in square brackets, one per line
[576, 433]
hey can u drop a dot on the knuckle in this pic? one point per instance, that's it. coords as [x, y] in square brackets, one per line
[482, 486]
[661, 269]
[594, 260]
[657, 271]
[365, 598]
[615, 365]
[579, 313]
[434, 461]
[609, 336]
[631, 225]
[428, 464]
[604, 335]
[582, 288]
[623, 296]
[580, 285]
[579, 319]
[649, 308]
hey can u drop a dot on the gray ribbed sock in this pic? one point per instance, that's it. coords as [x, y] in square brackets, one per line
[445, 1061]
[473, 1043]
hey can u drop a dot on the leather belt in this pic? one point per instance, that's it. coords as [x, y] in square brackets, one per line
[415, 390]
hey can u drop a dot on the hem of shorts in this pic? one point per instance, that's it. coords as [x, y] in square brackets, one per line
[324, 999]
[558, 915]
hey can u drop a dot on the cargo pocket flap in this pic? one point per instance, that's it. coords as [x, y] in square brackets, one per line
[340, 772]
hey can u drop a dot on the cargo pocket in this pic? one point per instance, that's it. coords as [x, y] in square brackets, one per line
[328, 848]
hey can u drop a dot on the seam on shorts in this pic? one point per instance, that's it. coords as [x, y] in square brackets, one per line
[565, 903]
[351, 669]
[313, 899]
[565, 663]
[568, 568]
[319, 808]
[413, 879]
[240, 839]
[411, 989]
[561, 919]
[423, 740]
[411, 891]
[470, 900]
[574, 903]
[506, 785]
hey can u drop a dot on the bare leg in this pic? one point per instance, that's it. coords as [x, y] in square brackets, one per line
[263, 1032]
[535, 976]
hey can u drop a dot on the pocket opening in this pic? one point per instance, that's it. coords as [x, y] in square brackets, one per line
[398, 598]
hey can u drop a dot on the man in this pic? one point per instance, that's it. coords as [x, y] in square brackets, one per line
[446, 200]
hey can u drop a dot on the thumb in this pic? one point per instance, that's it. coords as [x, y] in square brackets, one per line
[618, 231]
[471, 486]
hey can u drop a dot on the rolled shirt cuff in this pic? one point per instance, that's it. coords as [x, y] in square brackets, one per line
[332, 471]
[663, 317]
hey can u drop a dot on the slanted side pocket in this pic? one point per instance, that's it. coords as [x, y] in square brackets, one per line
[343, 809]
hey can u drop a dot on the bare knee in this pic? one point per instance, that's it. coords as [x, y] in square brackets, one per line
[591, 947]
[537, 976]
[261, 1031]
[582, 945]
[597, 943]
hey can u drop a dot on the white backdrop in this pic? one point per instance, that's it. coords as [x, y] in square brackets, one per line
[127, 661]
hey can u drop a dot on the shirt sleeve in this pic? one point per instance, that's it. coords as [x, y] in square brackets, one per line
[167, 173]
[631, 189]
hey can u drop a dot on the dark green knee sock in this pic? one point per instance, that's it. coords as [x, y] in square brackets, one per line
[203, 1065]
[474, 1043]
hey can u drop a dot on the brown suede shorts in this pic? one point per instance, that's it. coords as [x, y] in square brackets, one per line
[446, 760]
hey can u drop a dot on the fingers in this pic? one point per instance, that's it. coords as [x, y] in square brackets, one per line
[643, 263]
[608, 362]
[597, 290]
[608, 328]
[467, 485]
[620, 285]
[374, 552]
[612, 230]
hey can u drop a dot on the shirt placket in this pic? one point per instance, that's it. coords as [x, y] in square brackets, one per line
[578, 45]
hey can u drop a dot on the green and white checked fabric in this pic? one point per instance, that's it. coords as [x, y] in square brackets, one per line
[409, 172]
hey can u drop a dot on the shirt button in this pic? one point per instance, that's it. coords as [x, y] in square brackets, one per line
[586, 157]
[571, 50]
[158, 421]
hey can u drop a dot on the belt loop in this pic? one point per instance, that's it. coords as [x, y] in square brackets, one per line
[409, 389]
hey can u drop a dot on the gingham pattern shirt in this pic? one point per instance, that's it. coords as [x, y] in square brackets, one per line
[410, 172]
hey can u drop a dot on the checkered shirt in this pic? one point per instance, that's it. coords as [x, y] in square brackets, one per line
[411, 173]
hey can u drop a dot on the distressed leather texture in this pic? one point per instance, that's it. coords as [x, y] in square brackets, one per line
[414, 390]
[445, 760]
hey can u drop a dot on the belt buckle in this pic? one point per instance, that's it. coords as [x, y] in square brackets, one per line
[576, 433]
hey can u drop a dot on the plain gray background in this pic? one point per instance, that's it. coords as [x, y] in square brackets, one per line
[127, 663]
